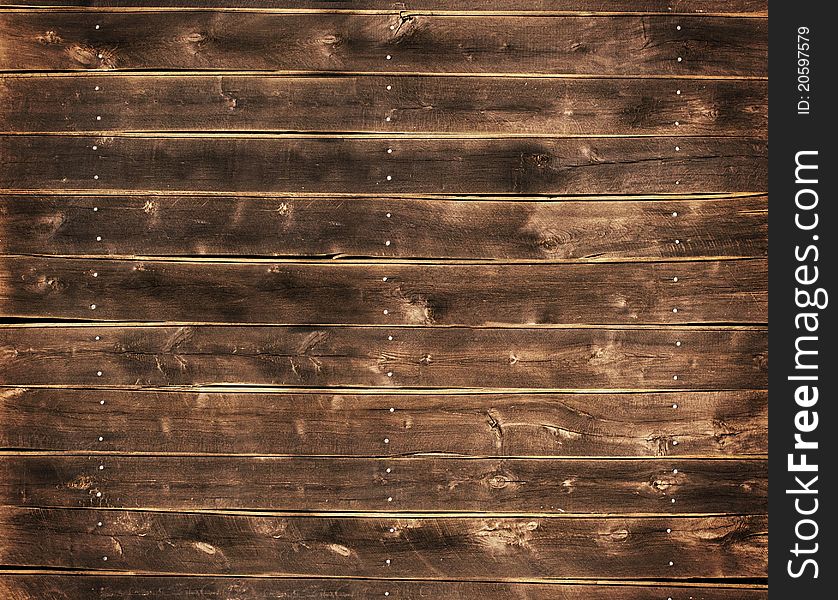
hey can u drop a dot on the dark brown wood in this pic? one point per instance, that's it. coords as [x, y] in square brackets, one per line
[482, 105]
[493, 548]
[703, 423]
[754, 7]
[96, 587]
[355, 227]
[385, 294]
[362, 166]
[426, 484]
[171, 40]
[423, 357]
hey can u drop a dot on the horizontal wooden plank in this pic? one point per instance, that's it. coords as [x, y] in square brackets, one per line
[346, 227]
[754, 7]
[84, 587]
[463, 548]
[384, 104]
[428, 484]
[95, 587]
[587, 358]
[364, 166]
[384, 294]
[703, 423]
[624, 45]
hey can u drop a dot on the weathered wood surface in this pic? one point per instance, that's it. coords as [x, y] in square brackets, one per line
[483, 105]
[493, 548]
[96, 587]
[422, 484]
[734, 7]
[211, 40]
[384, 294]
[363, 165]
[563, 230]
[703, 423]
[561, 359]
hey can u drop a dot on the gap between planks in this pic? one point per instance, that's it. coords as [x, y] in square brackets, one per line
[9, 570]
[392, 514]
[407, 391]
[441, 197]
[304, 73]
[16, 8]
[371, 261]
[374, 391]
[389, 135]
[386, 135]
[9, 452]
[40, 323]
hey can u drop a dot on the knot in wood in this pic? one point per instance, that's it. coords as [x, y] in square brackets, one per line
[50, 37]
[541, 160]
[498, 482]
[196, 37]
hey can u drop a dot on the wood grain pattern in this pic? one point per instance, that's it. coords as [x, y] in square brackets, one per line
[362, 166]
[537, 368]
[754, 7]
[376, 294]
[588, 358]
[384, 104]
[426, 484]
[96, 587]
[703, 423]
[562, 230]
[171, 40]
[493, 548]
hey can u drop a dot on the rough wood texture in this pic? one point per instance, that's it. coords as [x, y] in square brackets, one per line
[587, 358]
[97, 587]
[346, 227]
[754, 7]
[426, 484]
[370, 294]
[362, 166]
[703, 423]
[167, 40]
[543, 375]
[483, 105]
[494, 548]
